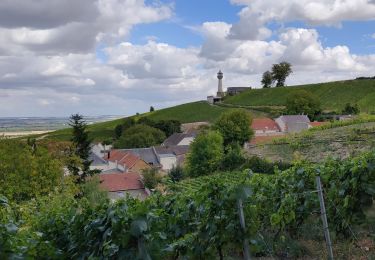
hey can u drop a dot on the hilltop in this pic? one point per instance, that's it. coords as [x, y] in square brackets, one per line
[332, 95]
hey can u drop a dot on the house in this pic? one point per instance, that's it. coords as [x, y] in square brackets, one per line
[100, 150]
[119, 184]
[146, 154]
[180, 139]
[163, 157]
[213, 99]
[264, 126]
[171, 156]
[293, 123]
[98, 162]
[125, 161]
[232, 91]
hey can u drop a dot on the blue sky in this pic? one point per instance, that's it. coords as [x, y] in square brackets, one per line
[176, 31]
[121, 56]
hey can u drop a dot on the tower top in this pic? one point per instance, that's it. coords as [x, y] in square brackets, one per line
[220, 75]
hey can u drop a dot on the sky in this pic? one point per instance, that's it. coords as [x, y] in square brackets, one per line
[119, 57]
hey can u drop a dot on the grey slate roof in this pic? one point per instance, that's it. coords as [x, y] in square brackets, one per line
[296, 123]
[146, 154]
[176, 138]
[96, 160]
[174, 149]
[295, 119]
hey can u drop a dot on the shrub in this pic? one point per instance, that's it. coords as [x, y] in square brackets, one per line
[139, 136]
[176, 173]
[206, 154]
[303, 102]
[259, 165]
[234, 126]
[150, 178]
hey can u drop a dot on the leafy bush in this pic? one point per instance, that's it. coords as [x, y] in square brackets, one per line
[139, 136]
[206, 154]
[176, 173]
[150, 178]
[234, 126]
[26, 173]
[260, 165]
[233, 158]
[350, 109]
[303, 102]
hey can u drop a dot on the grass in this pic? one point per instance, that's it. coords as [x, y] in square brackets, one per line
[189, 112]
[332, 95]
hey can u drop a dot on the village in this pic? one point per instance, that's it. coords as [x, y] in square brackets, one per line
[121, 169]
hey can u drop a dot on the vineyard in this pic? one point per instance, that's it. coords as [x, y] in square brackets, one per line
[338, 140]
[199, 218]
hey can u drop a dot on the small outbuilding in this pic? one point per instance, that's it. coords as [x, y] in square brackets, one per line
[293, 123]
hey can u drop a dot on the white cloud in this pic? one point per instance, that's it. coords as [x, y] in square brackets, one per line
[50, 61]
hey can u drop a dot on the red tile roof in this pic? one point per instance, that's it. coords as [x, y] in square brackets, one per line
[120, 181]
[124, 158]
[264, 124]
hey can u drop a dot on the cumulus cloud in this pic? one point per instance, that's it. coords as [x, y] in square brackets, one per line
[49, 65]
[256, 14]
[70, 26]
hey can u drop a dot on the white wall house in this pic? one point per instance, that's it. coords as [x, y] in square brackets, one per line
[168, 161]
[186, 141]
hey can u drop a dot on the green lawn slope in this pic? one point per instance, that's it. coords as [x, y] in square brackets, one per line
[332, 95]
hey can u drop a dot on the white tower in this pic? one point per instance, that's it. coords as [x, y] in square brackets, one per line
[220, 92]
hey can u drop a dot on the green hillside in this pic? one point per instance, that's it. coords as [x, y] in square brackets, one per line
[186, 113]
[332, 95]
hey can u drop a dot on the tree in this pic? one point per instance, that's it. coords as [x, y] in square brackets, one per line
[206, 154]
[234, 126]
[140, 136]
[150, 178]
[152, 109]
[26, 173]
[267, 79]
[169, 127]
[303, 102]
[118, 131]
[280, 72]
[350, 109]
[233, 158]
[128, 122]
[81, 142]
[176, 173]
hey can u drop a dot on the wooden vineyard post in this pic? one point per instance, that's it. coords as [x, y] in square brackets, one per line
[246, 250]
[324, 217]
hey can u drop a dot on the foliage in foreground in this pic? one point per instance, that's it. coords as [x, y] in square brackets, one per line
[199, 222]
[27, 171]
